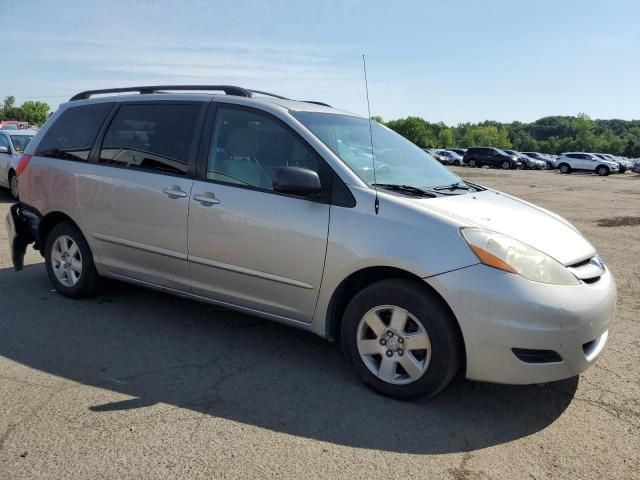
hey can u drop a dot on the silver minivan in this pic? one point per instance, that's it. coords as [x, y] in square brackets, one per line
[310, 216]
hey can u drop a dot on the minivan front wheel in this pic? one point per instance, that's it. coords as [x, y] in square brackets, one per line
[400, 340]
[506, 165]
[69, 262]
[602, 171]
[472, 163]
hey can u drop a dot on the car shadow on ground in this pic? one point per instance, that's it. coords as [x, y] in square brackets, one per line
[158, 348]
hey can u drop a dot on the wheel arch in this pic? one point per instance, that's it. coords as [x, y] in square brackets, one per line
[364, 277]
[47, 223]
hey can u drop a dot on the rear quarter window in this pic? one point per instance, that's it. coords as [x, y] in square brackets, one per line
[72, 135]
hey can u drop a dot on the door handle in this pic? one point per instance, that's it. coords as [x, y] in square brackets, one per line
[174, 192]
[206, 199]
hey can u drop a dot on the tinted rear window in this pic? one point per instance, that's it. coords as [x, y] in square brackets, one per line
[72, 135]
[151, 137]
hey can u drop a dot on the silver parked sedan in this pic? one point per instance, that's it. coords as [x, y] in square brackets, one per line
[303, 214]
[12, 144]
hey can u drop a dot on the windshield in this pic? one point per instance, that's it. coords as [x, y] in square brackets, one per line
[397, 160]
[20, 142]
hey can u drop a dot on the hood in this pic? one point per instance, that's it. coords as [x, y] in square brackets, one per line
[523, 221]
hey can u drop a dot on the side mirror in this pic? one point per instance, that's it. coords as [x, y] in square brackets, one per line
[4, 149]
[296, 181]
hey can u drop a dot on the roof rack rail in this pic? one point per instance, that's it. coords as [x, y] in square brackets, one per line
[317, 103]
[260, 92]
[228, 89]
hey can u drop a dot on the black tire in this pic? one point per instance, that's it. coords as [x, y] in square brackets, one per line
[440, 326]
[456, 163]
[564, 168]
[13, 185]
[602, 170]
[473, 163]
[87, 280]
[505, 165]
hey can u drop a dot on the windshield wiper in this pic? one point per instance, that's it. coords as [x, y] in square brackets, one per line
[453, 186]
[411, 190]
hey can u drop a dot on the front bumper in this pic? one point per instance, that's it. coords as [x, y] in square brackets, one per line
[499, 311]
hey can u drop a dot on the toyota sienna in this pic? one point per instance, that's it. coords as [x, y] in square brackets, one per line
[307, 215]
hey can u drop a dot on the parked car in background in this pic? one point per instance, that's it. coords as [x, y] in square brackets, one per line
[433, 154]
[12, 145]
[586, 162]
[492, 157]
[550, 161]
[459, 151]
[622, 161]
[528, 163]
[622, 166]
[13, 125]
[449, 157]
[269, 206]
[636, 166]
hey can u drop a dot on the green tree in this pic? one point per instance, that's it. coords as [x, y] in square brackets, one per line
[413, 129]
[445, 138]
[9, 110]
[34, 112]
[487, 136]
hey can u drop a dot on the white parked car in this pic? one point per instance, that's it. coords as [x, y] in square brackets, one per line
[587, 162]
[450, 157]
[12, 144]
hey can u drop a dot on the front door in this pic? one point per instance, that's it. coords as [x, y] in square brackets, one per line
[135, 196]
[248, 245]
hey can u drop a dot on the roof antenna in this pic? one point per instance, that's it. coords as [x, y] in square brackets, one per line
[373, 156]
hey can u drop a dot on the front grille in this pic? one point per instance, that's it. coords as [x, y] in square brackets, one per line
[528, 355]
[588, 270]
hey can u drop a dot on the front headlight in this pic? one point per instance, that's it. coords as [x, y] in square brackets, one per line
[505, 253]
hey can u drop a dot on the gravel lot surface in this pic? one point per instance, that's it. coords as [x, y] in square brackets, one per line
[137, 384]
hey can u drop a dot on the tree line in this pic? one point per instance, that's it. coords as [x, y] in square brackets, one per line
[555, 134]
[33, 112]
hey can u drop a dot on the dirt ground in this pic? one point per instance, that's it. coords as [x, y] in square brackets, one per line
[137, 384]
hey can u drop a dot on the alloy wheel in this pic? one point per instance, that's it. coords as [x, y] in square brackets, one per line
[66, 261]
[393, 344]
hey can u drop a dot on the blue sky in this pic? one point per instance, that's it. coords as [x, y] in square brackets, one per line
[453, 61]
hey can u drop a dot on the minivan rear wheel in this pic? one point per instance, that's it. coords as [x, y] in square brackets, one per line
[472, 163]
[400, 340]
[69, 262]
